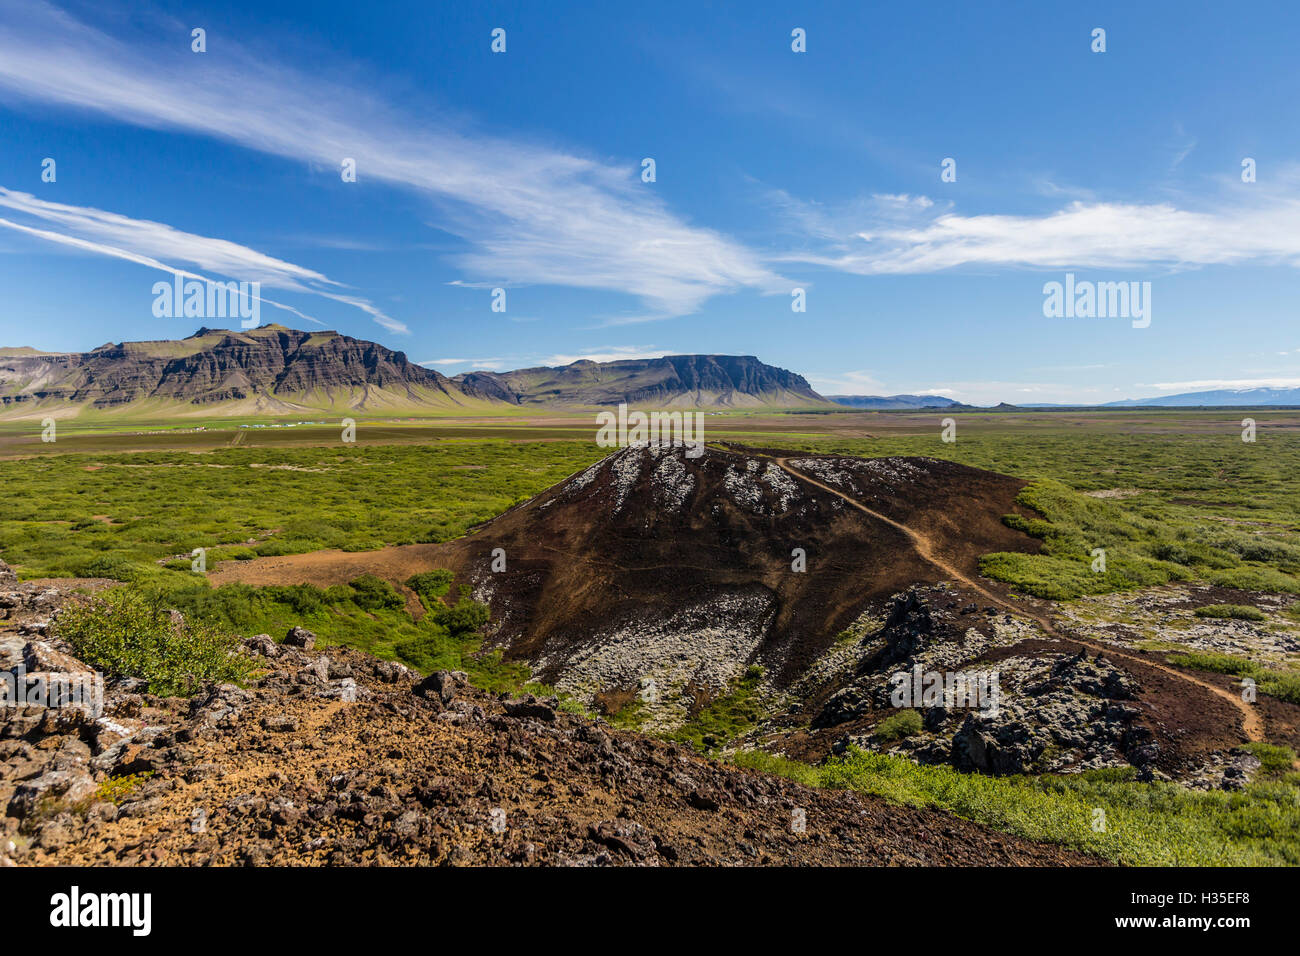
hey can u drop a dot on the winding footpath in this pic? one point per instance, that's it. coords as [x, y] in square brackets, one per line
[1252, 725]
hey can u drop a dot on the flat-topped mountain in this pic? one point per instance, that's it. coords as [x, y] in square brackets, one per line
[728, 381]
[273, 370]
[268, 370]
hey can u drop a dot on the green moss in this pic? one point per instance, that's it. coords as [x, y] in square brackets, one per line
[630, 716]
[1274, 759]
[725, 718]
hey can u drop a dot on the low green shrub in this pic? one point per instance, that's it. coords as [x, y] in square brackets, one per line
[121, 632]
[430, 586]
[905, 723]
[1146, 824]
[372, 593]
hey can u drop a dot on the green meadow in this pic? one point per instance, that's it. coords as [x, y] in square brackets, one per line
[1188, 499]
[1181, 505]
[135, 516]
[1105, 813]
[1175, 497]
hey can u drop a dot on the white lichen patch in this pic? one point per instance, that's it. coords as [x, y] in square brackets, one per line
[625, 470]
[707, 645]
[782, 485]
[842, 658]
[826, 471]
[1165, 619]
[584, 479]
[671, 480]
[483, 588]
[891, 470]
[743, 487]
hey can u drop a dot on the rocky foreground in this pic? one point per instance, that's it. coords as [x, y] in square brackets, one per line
[333, 757]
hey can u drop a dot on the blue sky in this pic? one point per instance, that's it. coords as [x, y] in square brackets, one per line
[775, 170]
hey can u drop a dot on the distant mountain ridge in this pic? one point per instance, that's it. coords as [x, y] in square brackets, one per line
[268, 370]
[725, 381]
[277, 371]
[274, 370]
[1219, 397]
[892, 401]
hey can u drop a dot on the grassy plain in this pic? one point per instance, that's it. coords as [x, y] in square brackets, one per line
[1140, 824]
[1169, 495]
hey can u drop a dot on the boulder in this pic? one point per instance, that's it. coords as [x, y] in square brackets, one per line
[66, 786]
[443, 686]
[530, 706]
[300, 637]
[995, 746]
[390, 671]
[281, 723]
[263, 644]
[40, 656]
[909, 628]
[847, 704]
[626, 837]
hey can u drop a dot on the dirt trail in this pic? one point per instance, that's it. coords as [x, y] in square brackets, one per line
[1251, 722]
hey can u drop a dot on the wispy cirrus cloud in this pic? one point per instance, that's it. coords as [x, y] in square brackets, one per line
[1232, 224]
[856, 382]
[488, 364]
[1210, 384]
[609, 353]
[160, 246]
[528, 214]
[533, 214]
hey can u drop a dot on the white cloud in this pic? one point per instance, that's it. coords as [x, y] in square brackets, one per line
[968, 392]
[614, 353]
[1242, 224]
[844, 221]
[1209, 384]
[490, 364]
[159, 246]
[529, 214]
[847, 383]
[86, 246]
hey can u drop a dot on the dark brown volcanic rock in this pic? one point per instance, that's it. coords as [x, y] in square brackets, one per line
[383, 768]
[651, 566]
[658, 565]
